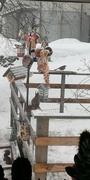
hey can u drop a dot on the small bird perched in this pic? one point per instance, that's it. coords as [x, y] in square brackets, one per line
[61, 68]
[35, 103]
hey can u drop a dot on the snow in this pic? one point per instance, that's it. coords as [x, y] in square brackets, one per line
[76, 56]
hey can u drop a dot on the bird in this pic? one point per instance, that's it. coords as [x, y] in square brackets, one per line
[35, 103]
[61, 68]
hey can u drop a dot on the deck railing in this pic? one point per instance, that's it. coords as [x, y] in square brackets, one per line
[40, 135]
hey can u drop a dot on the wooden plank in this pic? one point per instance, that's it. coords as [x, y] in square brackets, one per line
[77, 86]
[64, 72]
[21, 68]
[32, 133]
[42, 130]
[68, 100]
[72, 1]
[19, 71]
[62, 93]
[23, 115]
[22, 89]
[17, 102]
[27, 152]
[20, 77]
[46, 168]
[32, 85]
[14, 115]
[58, 86]
[5, 146]
[10, 77]
[22, 71]
[56, 141]
[6, 167]
[39, 113]
[16, 68]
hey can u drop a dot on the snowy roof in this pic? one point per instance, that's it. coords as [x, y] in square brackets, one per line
[18, 72]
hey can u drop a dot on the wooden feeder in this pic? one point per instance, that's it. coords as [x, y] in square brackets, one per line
[43, 92]
[27, 61]
[15, 73]
[20, 50]
[10, 77]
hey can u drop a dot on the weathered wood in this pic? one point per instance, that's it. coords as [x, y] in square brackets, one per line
[38, 114]
[11, 117]
[27, 83]
[5, 147]
[42, 130]
[23, 69]
[45, 168]
[58, 86]
[68, 1]
[62, 93]
[72, 1]
[14, 150]
[64, 72]
[21, 76]
[22, 89]
[10, 77]
[15, 116]
[15, 73]
[27, 152]
[18, 103]
[77, 86]
[68, 100]
[23, 95]
[14, 69]
[56, 141]
[23, 115]
[40, 138]
[7, 167]
[18, 69]
[25, 145]
[19, 72]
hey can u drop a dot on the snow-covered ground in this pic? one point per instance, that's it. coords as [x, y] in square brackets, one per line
[76, 56]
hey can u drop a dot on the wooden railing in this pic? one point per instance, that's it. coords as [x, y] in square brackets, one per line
[62, 86]
[40, 137]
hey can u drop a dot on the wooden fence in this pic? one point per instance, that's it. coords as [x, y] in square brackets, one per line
[40, 137]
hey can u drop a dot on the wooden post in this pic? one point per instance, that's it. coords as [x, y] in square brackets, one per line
[62, 93]
[12, 123]
[16, 90]
[27, 95]
[22, 104]
[41, 152]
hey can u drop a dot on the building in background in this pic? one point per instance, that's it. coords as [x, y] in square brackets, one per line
[53, 20]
